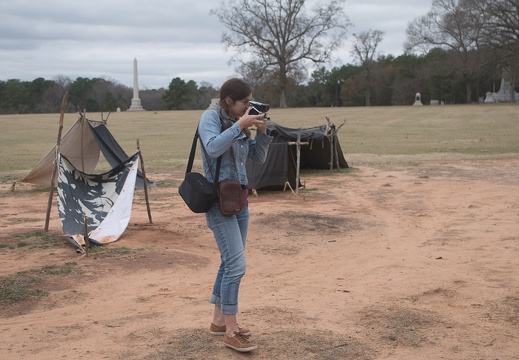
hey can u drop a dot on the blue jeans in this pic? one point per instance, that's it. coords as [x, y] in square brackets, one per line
[230, 233]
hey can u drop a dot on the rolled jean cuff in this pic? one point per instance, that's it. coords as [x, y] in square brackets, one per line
[216, 300]
[226, 309]
[229, 309]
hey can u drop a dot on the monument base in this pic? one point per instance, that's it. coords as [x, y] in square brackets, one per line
[136, 105]
[503, 94]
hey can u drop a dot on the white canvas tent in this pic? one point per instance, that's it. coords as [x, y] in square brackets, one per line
[82, 145]
[97, 205]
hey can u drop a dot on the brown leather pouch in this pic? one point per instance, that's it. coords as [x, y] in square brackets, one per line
[230, 197]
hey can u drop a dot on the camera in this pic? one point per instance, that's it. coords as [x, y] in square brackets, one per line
[257, 108]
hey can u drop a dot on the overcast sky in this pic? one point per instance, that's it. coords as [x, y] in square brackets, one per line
[169, 38]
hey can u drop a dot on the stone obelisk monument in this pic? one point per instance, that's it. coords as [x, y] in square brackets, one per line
[136, 102]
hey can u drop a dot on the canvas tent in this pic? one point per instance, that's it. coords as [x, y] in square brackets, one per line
[105, 200]
[281, 164]
[82, 145]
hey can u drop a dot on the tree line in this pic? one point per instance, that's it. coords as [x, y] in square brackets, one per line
[455, 53]
[393, 81]
[97, 95]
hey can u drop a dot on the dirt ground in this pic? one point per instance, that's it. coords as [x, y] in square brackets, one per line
[411, 258]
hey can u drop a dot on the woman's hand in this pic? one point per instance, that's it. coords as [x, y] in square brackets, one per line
[248, 120]
[261, 125]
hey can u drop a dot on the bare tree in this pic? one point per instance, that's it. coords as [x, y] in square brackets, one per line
[280, 35]
[451, 24]
[502, 33]
[503, 22]
[364, 50]
[262, 81]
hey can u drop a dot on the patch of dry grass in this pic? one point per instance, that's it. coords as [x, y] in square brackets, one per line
[21, 286]
[165, 136]
[400, 326]
[281, 345]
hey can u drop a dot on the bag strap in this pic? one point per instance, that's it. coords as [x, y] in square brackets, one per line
[192, 154]
[234, 159]
[226, 126]
[192, 158]
[218, 163]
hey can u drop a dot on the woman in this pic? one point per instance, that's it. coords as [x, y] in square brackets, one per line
[222, 128]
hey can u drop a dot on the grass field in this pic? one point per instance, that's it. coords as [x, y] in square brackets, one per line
[165, 137]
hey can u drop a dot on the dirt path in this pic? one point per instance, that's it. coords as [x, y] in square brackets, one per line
[412, 260]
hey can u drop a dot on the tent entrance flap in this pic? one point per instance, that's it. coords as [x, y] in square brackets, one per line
[112, 151]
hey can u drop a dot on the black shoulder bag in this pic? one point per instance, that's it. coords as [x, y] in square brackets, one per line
[198, 193]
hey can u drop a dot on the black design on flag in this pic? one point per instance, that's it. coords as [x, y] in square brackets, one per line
[105, 199]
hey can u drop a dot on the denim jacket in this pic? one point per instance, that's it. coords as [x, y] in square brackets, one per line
[217, 143]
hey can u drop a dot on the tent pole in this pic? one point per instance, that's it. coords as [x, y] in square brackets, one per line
[87, 240]
[335, 141]
[298, 144]
[298, 161]
[336, 132]
[55, 170]
[145, 183]
[329, 136]
[332, 146]
[331, 153]
[83, 123]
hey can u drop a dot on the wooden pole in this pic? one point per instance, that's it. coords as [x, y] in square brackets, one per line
[145, 181]
[298, 143]
[83, 125]
[335, 141]
[298, 161]
[331, 152]
[55, 170]
[87, 240]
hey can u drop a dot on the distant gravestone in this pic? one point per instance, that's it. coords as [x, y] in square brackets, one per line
[435, 102]
[418, 99]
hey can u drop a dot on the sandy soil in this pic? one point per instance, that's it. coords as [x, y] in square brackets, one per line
[413, 259]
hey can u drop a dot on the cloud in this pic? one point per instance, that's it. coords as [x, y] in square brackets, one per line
[174, 38]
